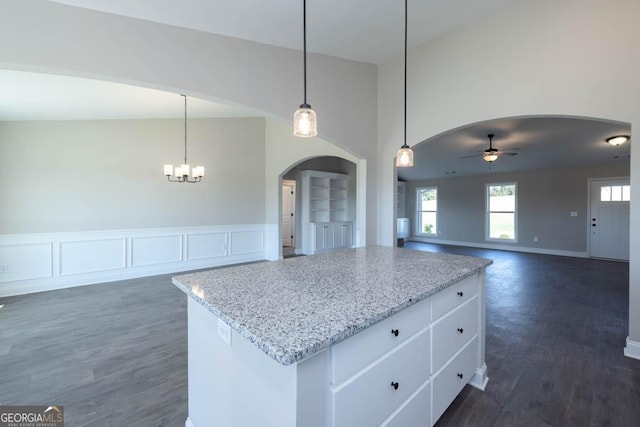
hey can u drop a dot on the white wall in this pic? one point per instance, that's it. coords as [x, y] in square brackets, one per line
[284, 151]
[573, 57]
[108, 174]
[50, 37]
[545, 200]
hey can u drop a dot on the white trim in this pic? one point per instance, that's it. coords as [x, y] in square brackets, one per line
[188, 423]
[480, 378]
[544, 251]
[32, 269]
[632, 349]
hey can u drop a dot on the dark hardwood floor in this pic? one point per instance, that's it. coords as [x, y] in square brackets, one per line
[115, 354]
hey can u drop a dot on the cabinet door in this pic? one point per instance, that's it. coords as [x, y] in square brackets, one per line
[324, 237]
[347, 235]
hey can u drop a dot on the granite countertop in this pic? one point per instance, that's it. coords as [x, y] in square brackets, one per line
[293, 308]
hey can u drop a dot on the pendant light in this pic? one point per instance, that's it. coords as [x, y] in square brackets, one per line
[305, 122]
[182, 172]
[404, 156]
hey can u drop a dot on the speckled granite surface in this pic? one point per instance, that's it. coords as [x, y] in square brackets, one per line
[293, 308]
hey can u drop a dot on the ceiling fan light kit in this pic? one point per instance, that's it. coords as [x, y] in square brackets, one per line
[617, 140]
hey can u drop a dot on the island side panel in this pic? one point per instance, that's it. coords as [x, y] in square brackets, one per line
[480, 379]
[237, 384]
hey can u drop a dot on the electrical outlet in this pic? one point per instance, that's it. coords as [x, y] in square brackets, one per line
[535, 238]
[224, 332]
[4, 269]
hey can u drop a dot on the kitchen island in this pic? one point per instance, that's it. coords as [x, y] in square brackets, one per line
[366, 336]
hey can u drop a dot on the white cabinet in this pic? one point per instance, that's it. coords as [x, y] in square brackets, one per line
[401, 199]
[324, 212]
[407, 369]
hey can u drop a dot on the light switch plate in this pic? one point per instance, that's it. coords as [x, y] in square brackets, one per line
[224, 332]
[574, 213]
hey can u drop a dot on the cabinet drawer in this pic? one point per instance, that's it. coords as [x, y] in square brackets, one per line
[414, 413]
[360, 350]
[450, 381]
[369, 398]
[451, 297]
[453, 331]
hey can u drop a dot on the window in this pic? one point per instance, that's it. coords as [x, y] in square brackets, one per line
[501, 212]
[427, 210]
[615, 193]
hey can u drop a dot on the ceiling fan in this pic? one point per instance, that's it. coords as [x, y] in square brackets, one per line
[491, 154]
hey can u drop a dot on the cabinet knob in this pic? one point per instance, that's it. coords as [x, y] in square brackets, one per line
[460, 376]
[460, 330]
[394, 385]
[460, 293]
[395, 332]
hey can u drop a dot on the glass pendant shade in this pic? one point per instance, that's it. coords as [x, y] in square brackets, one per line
[404, 157]
[305, 122]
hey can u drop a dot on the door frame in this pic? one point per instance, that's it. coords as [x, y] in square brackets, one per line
[588, 211]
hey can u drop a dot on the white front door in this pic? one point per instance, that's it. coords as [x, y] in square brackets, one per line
[609, 219]
[288, 214]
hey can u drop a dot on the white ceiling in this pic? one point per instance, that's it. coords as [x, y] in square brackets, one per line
[35, 96]
[543, 142]
[361, 30]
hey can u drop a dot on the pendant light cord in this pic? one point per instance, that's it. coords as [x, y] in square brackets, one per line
[304, 42]
[405, 74]
[185, 129]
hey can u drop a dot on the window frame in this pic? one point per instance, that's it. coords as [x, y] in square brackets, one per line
[488, 212]
[419, 211]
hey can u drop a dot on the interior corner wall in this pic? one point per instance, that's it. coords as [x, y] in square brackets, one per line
[532, 58]
[545, 200]
[69, 176]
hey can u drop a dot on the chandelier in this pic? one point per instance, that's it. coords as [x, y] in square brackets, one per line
[181, 173]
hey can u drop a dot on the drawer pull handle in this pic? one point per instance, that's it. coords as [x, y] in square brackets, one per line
[460, 376]
[395, 332]
[460, 330]
[394, 385]
[460, 294]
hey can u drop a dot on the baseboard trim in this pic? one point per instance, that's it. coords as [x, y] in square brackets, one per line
[500, 247]
[188, 423]
[632, 349]
[480, 378]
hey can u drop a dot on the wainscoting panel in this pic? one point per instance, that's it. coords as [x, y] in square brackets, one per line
[25, 261]
[246, 242]
[90, 256]
[41, 262]
[206, 245]
[151, 250]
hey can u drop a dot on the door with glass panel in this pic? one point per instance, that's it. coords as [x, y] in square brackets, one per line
[609, 219]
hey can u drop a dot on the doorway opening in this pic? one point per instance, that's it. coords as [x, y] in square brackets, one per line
[288, 218]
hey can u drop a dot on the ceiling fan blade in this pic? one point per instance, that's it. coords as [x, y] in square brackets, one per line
[501, 153]
[468, 157]
[511, 149]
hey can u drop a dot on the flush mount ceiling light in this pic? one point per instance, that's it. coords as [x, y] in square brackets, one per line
[305, 122]
[404, 156]
[618, 139]
[183, 171]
